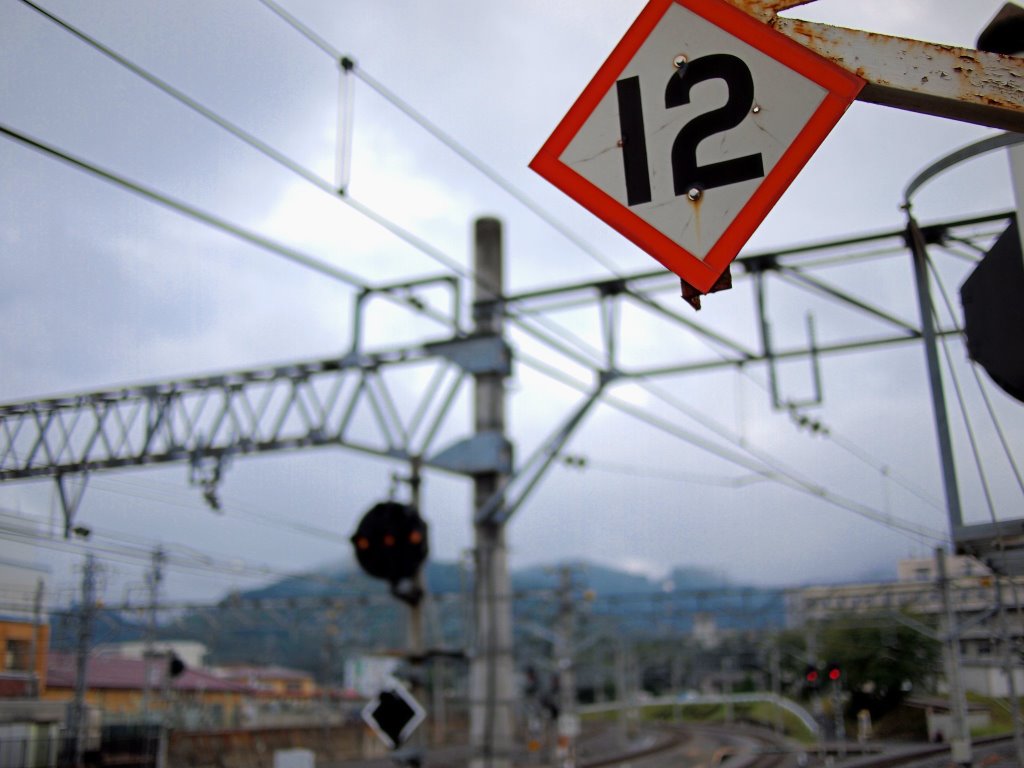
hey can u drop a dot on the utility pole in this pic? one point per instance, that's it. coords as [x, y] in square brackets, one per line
[568, 722]
[1008, 667]
[416, 644]
[492, 694]
[37, 622]
[76, 717]
[960, 739]
[776, 666]
[153, 579]
[919, 253]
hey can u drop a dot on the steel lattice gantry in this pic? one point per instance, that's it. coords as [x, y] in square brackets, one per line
[347, 401]
[207, 420]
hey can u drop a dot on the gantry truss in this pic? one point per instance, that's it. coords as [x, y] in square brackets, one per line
[347, 402]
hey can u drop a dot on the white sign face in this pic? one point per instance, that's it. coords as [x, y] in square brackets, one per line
[735, 83]
[692, 129]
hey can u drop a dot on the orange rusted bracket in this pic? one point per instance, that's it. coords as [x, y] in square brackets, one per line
[957, 83]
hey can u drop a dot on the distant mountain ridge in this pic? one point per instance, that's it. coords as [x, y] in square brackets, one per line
[286, 623]
[441, 577]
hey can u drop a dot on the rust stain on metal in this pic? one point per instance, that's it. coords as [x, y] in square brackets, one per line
[958, 83]
[765, 10]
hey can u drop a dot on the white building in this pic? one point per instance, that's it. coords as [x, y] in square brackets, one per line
[194, 654]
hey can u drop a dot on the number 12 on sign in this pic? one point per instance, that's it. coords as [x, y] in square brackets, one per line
[692, 129]
[688, 176]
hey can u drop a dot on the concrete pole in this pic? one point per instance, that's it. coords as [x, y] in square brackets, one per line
[154, 578]
[1011, 674]
[492, 680]
[37, 623]
[776, 666]
[568, 724]
[621, 690]
[416, 644]
[77, 720]
[960, 739]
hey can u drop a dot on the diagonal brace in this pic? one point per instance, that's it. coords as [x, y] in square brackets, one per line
[494, 511]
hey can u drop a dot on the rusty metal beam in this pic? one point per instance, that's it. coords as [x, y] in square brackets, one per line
[765, 10]
[943, 80]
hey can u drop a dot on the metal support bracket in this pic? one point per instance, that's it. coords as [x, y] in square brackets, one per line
[502, 505]
[476, 354]
[942, 80]
[478, 454]
[70, 499]
[769, 354]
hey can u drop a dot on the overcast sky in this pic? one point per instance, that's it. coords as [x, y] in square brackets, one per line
[102, 288]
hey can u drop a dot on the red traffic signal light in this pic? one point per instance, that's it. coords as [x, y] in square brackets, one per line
[391, 542]
[834, 673]
[812, 678]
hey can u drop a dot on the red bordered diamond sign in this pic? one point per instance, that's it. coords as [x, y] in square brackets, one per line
[691, 131]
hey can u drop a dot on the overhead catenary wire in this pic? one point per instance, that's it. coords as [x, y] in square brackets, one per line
[191, 211]
[754, 462]
[215, 221]
[492, 174]
[268, 151]
[1004, 444]
[265, 149]
[230, 506]
[125, 548]
[262, 147]
[434, 130]
[698, 478]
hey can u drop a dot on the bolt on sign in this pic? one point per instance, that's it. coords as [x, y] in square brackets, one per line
[690, 132]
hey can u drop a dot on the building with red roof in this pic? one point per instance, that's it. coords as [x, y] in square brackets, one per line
[118, 686]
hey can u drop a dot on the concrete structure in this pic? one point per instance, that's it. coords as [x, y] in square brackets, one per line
[938, 721]
[366, 675]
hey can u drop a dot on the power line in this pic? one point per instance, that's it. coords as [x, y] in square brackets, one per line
[280, 158]
[453, 145]
[123, 547]
[723, 481]
[769, 468]
[440, 135]
[233, 506]
[185, 209]
[266, 150]
[963, 408]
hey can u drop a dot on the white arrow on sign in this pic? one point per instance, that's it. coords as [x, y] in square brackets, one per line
[691, 131]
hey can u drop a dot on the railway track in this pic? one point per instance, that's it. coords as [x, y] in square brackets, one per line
[694, 746]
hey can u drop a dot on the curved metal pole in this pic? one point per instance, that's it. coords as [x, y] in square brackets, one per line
[964, 153]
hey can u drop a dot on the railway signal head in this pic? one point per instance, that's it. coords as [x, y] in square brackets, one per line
[811, 676]
[834, 672]
[391, 542]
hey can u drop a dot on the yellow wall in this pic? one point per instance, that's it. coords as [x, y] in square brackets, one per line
[129, 702]
[23, 631]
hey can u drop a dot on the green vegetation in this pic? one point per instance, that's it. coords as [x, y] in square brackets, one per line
[999, 711]
[760, 713]
[881, 662]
